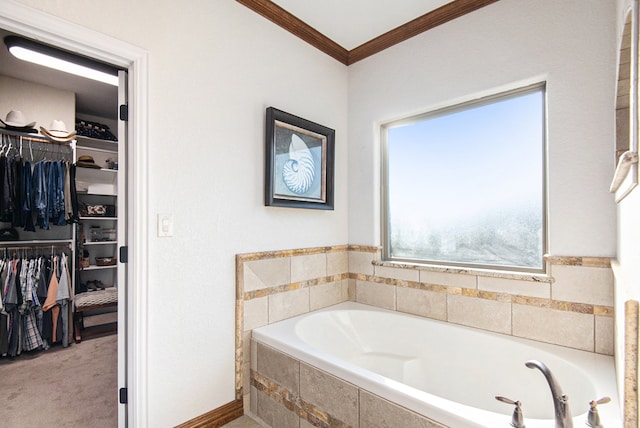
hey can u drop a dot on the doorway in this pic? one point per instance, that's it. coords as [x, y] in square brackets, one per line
[33, 24]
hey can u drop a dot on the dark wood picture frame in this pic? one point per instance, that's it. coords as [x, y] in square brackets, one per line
[299, 162]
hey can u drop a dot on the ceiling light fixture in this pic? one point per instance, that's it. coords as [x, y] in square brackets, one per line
[68, 62]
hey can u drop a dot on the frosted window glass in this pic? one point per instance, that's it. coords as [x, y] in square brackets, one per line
[466, 186]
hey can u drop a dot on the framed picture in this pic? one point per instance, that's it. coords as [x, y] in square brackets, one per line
[299, 162]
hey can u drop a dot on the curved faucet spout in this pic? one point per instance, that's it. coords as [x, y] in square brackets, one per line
[560, 401]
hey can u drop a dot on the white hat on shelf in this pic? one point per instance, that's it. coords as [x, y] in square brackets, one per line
[17, 121]
[58, 132]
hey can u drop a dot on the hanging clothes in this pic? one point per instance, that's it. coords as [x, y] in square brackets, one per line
[41, 193]
[27, 202]
[27, 285]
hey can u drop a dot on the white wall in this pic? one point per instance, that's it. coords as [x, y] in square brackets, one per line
[214, 66]
[568, 43]
[39, 103]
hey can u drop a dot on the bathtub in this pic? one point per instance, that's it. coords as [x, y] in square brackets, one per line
[446, 372]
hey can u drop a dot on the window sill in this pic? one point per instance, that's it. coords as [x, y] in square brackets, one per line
[522, 276]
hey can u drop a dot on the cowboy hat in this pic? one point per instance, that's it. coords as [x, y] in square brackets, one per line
[17, 121]
[87, 162]
[58, 132]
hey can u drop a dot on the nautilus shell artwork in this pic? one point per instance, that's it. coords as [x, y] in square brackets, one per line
[299, 171]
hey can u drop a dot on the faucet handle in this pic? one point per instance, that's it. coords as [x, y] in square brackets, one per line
[593, 417]
[603, 400]
[517, 420]
[508, 400]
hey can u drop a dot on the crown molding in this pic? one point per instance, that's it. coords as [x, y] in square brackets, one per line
[436, 17]
[299, 28]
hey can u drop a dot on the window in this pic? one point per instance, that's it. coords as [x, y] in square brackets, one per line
[465, 185]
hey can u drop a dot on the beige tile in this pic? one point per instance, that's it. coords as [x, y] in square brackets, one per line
[406, 274]
[246, 377]
[571, 329]
[259, 274]
[450, 279]
[253, 355]
[252, 401]
[256, 313]
[422, 302]
[275, 414]
[376, 412]
[280, 368]
[331, 293]
[515, 286]
[605, 335]
[361, 262]
[288, 304]
[308, 266]
[375, 294]
[330, 394]
[351, 289]
[337, 263]
[582, 285]
[480, 313]
[246, 345]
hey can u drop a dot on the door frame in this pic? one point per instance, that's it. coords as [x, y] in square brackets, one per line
[132, 361]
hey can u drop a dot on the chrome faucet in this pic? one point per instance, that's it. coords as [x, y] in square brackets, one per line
[560, 401]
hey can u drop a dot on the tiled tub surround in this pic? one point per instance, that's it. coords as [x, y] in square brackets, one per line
[319, 365]
[273, 286]
[571, 306]
[288, 393]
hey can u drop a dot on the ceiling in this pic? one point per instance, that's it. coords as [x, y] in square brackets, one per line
[348, 30]
[351, 23]
[351, 30]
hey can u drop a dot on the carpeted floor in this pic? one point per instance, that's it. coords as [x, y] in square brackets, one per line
[62, 387]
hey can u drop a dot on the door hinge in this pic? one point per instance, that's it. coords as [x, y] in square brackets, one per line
[123, 395]
[124, 112]
[124, 254]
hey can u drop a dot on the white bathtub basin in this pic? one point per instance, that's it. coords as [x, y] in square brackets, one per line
[446, 372]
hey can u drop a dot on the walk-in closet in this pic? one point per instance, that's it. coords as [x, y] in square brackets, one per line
[60, 268]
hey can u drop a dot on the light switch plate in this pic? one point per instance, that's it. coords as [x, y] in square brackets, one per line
[165, 225]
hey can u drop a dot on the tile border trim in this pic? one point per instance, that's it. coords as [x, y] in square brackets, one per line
[295, 403]
[255, 294]
[582, 308]
[247, 257]
[630, 399]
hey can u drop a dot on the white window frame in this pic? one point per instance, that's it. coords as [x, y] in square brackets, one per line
[459, 106]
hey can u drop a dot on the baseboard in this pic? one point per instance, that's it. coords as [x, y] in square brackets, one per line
[217, 417]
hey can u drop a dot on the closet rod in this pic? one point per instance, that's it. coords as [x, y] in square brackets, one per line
[60, 243]
[36, 139]
[32, 247]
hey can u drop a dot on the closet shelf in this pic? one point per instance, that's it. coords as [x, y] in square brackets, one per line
[94, 193]
[100, 243]
[97, 144]
[93, 171]
[99, 218]
[97, 186]
[98, 181]
[96, 267]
